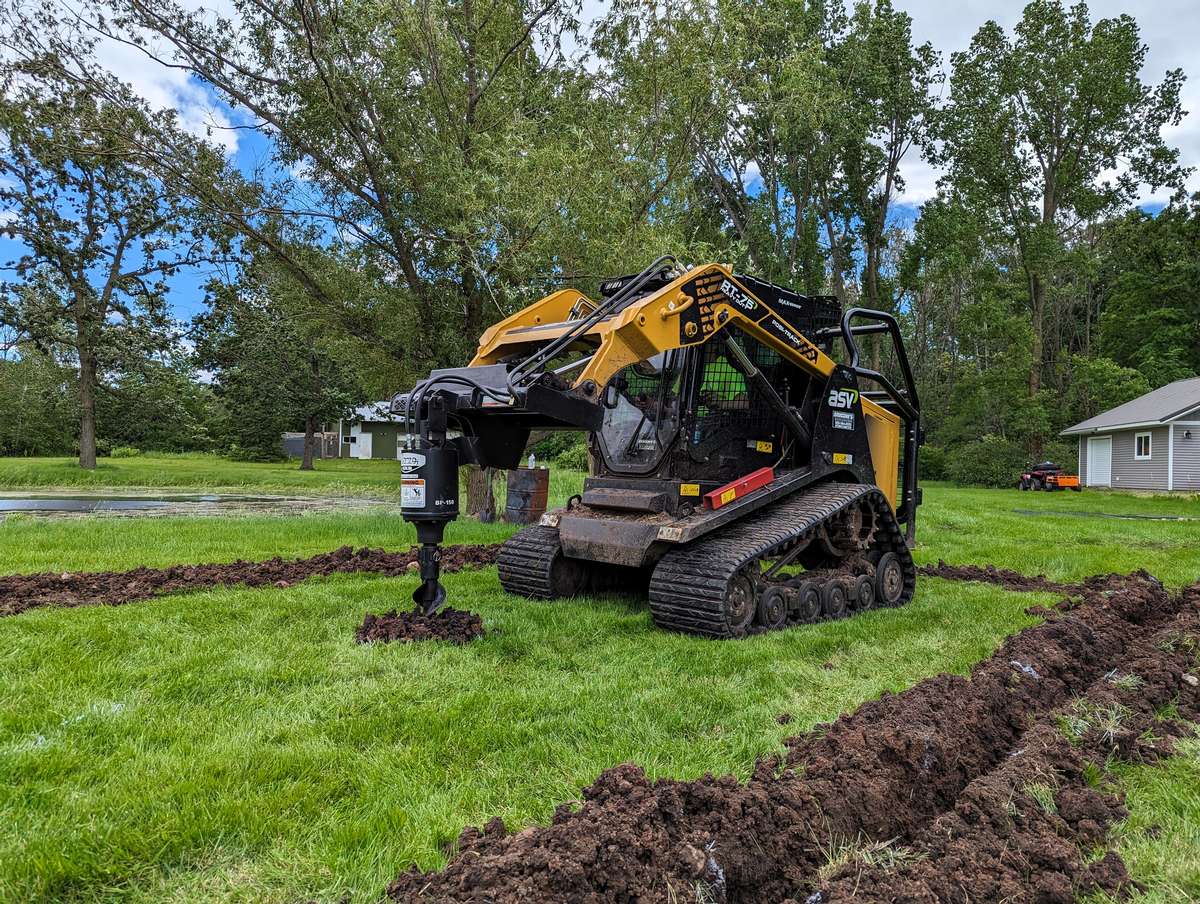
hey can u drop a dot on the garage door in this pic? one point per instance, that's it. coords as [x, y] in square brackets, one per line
[384, 441]
[1099, 461]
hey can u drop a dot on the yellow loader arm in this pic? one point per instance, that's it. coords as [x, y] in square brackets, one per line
[693, 309]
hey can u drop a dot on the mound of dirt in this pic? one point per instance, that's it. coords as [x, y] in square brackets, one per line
[957, 789]
[450, 624]
[990, 574]
[21, 592]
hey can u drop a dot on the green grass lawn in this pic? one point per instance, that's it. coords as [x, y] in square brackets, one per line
[237, 745]
[336, 477]
[1068, 539]
[1161, 838]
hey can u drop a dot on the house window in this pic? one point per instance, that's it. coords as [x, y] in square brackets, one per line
[1141, 446]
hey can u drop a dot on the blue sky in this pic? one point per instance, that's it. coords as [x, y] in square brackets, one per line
[1168, 26]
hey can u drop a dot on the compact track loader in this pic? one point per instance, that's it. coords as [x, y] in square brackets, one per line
[741, 478]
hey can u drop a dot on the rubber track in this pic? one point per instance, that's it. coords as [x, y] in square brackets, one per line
[687, 589]
[526, 561]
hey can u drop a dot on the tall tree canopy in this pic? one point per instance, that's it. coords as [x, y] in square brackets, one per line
[1050, 129]
[432, 165]
[101, 234]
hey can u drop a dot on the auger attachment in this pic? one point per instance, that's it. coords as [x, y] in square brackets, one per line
[429, 499]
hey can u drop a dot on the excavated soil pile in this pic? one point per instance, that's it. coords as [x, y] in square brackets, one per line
[454, 625]
[978, 788]
[1002, 577]
[20, 592]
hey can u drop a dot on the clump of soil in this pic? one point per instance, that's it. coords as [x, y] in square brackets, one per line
[21, 592]
[957, 787]
[450, 624]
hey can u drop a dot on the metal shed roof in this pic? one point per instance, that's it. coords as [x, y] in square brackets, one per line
[1167, 403]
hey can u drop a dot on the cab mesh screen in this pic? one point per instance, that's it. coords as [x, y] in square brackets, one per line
[728, 406]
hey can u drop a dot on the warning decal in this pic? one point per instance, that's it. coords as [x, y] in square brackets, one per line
[412, 492]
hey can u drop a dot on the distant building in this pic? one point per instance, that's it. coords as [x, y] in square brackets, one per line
[372, 432]
[1151, 443]
[325, 444]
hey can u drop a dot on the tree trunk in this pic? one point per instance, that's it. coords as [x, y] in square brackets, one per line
[87, 408]
[310, 429]
[481, 493]
[1037, 292]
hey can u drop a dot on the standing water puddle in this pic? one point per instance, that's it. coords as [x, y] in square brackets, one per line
[1104, 515]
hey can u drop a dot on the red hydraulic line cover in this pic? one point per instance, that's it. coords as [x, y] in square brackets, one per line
[739, 488]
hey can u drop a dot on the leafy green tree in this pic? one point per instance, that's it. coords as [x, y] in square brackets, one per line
[797, 117]
[451, 142]
[1051, 127]
[271, 371]
[1098, 384]
[1150, 290]
[38, 404]
[99, 234]
[159, 405]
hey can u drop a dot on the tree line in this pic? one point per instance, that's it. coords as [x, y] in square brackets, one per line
[436, 165]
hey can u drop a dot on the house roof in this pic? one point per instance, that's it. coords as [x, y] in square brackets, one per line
[1160, 406]
[377, 412]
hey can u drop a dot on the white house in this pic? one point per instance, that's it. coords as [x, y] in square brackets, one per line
[1150, 443]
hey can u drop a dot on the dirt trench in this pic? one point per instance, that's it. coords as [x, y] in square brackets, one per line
[927, 774]
[1025, 831]
[22, 592]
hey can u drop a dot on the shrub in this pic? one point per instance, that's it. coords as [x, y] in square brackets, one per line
[1063, 454]
[988, 462]
[931, 463]
[125, 452]
[573, 458]
[554, 443]
[241, 453]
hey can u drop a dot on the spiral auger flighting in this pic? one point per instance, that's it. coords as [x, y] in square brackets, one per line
[732, 582]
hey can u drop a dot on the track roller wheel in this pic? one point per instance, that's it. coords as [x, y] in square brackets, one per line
[773, 608]
[738, 606]
[862, 593]
[834, 599]
[808, 601]
[889, 579]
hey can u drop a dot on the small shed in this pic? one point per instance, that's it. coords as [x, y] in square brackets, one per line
[1150, 443]
[372, 432]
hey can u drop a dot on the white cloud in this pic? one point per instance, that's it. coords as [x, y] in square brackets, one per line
[751, 175]
[165, 88]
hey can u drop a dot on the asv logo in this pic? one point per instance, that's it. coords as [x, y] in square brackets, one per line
[842, 398]
[737, 296]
